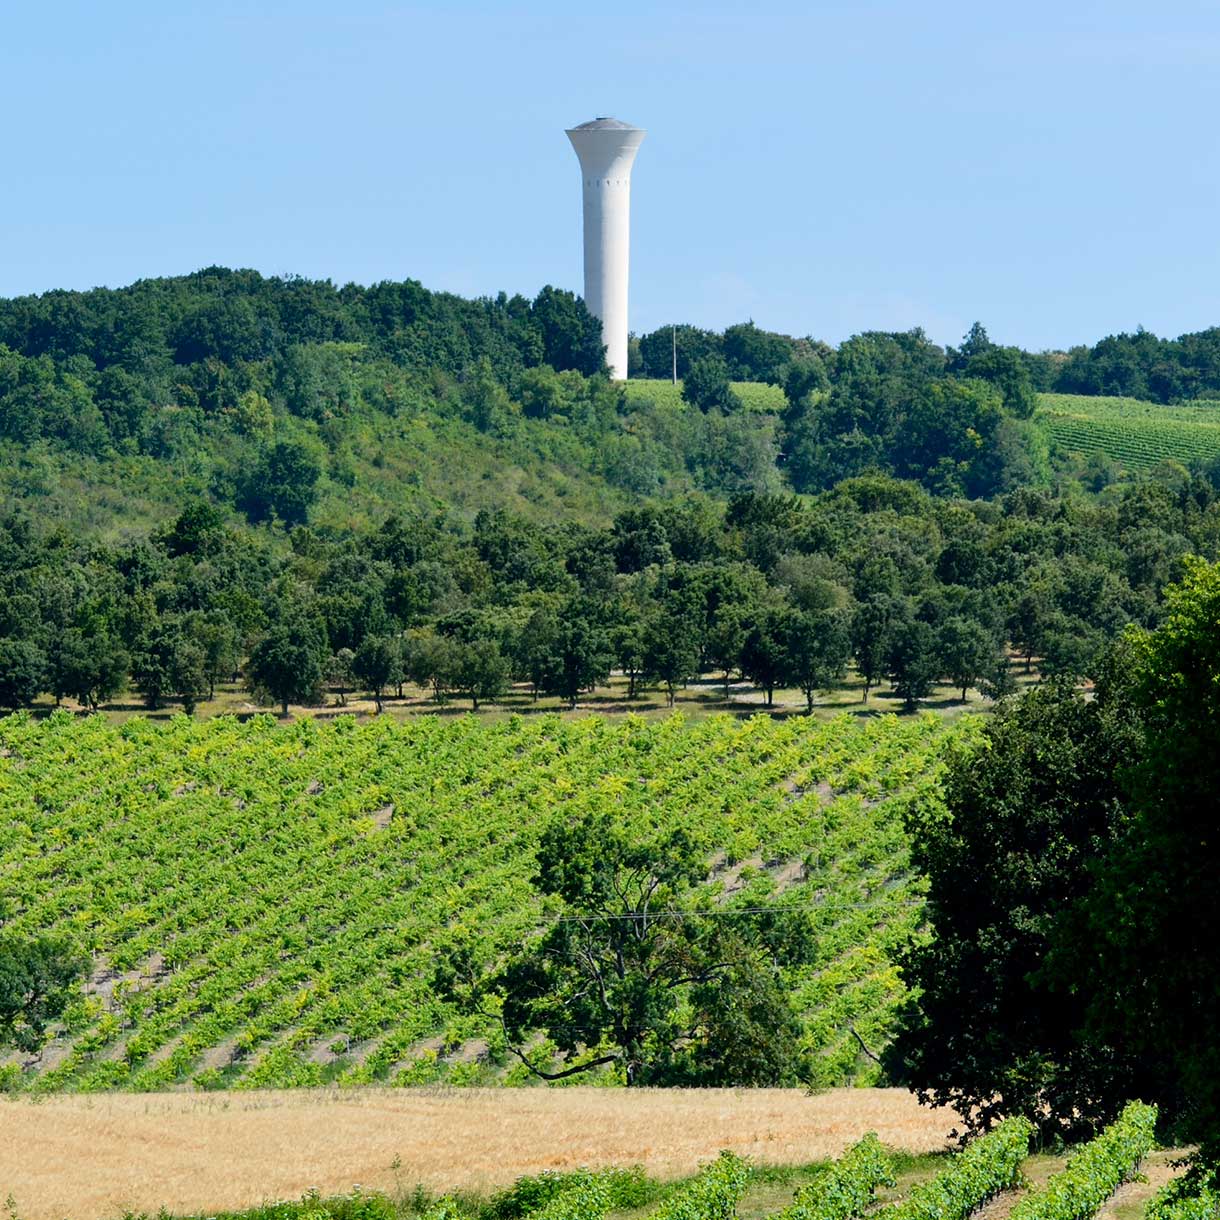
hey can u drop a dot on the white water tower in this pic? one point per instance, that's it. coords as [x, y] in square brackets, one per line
[606, 148]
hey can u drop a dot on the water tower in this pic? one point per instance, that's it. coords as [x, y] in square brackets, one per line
[606, 148]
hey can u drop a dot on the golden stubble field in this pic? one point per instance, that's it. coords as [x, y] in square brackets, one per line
[92, 1157]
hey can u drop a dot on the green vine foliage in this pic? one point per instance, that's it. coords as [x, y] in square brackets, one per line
[985, 1167]
[259, 898]
[1184, 1199]
[1095, 1172]
[712, 1195]
[847, 1187]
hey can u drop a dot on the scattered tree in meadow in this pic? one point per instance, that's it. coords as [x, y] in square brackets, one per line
[582, 657]
[23, 673]
[377, 664]
[764, 656]
[967, 652]
[430, 660]
[481, 672]
[341, 674]
[817, 648]
[169, 662]
[287, 663]
[870, 640]
[90, 668]
[670, 651]
[726, 639]
[913, 661]
[537, 650]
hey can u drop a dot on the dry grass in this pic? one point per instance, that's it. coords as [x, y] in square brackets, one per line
[90, 1157]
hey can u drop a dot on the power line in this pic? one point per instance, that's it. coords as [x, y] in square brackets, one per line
[728, 911]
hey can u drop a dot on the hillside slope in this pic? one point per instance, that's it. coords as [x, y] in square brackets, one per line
[1134, 434]
[265, 905]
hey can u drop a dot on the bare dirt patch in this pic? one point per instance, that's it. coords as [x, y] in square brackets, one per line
[92, 1157]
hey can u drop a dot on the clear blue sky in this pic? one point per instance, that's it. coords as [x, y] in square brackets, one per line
[1049, 168]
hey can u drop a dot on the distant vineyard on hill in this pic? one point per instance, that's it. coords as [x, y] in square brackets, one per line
[1135, 434]
[754, 395]
[266, 904]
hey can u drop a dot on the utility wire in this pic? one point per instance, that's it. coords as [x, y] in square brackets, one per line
[728, 911]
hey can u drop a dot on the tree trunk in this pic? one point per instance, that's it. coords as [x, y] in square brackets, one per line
[284, 708]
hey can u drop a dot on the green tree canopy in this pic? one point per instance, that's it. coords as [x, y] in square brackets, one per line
[706, 386]
[1027, 815]
[287, 664]
[638, 974]
[37, 981]
[283, 484]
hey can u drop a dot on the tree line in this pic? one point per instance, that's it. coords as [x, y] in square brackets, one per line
[876, 574]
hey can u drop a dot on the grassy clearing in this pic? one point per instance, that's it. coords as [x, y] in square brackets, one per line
[696, 701]
[1137, 435]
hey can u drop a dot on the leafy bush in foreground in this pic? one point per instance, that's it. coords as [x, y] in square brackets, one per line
[711, 1195]
[622, 1188]
[847, 1187]
[356, 1206]
[1184, 1199]
[990, 1164]
[1096, 1171]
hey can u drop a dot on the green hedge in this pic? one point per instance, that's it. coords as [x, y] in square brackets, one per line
[847, 1187]
[1095, 1172]
[624, 1188]
[990, 1164]
[711, 1195]
[1184, 1200]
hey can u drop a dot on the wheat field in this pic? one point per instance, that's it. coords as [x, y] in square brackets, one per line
[92, 1157]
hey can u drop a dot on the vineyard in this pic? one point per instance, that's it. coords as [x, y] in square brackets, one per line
[265, 904]
[1134, 434]
[754, 395]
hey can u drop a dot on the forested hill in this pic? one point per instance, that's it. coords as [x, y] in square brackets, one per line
[315, 486]
[292, 400]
